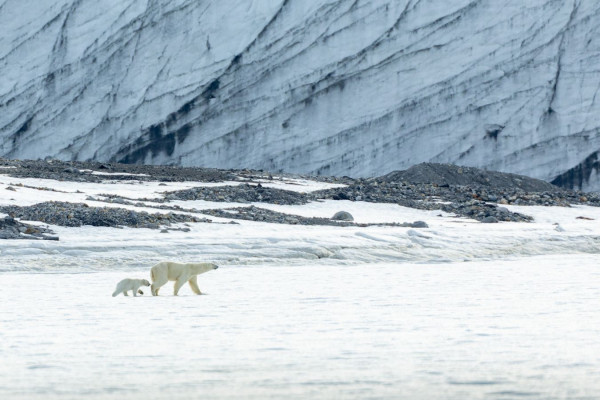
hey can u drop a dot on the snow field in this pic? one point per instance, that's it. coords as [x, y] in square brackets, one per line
[525, 327]
[458, 310]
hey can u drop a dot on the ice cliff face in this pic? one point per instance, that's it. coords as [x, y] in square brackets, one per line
[343, 87]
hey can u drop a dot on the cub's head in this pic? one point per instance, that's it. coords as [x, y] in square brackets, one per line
[145, 282]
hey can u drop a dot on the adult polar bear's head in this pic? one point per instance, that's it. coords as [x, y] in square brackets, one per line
[201, 268]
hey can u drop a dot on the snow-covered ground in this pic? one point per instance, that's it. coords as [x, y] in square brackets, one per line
[493, 330]
[458, 310]
[448, 239]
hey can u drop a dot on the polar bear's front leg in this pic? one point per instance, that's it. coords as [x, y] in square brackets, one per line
[179, 283]
[125, 293]
[194, 284]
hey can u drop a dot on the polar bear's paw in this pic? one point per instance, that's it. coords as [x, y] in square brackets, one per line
[140, 292]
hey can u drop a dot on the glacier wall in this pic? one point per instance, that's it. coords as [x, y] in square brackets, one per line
[339, 87]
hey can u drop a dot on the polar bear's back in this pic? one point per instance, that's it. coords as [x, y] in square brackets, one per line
[167, 270]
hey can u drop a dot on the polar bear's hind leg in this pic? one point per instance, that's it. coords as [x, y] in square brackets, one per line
[157, 284]
[154, 288]
[159, 277]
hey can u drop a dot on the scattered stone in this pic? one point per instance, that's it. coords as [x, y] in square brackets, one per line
[340, 196]
[419, 224]
[13, 229]
[489, 220]
[12, 189]
[342, 216]
[586, 218]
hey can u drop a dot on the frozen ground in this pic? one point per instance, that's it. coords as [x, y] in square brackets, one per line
[494, 330]
[458, 310]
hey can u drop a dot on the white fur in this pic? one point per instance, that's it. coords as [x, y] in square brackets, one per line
[130, 284]
[180, 273]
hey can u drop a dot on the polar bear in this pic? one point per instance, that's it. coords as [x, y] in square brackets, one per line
[130, 284]
[180, 273]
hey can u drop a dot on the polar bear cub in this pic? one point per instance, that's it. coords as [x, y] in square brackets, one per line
[130, 284]
[180, 273]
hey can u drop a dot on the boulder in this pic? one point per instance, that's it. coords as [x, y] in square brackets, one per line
[342, 216]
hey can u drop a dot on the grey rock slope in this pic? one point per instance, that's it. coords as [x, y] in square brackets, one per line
[339, 87]
[447, 174]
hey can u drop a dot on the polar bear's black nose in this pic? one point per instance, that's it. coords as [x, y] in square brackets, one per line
[216, 266]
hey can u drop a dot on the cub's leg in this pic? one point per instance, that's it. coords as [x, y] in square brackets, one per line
[179, 283]
[135, 289]
[125, 293]
[194, 284]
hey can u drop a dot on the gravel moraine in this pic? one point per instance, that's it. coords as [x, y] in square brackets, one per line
[78, 214]
[81, 171]
[258, 214]
[463, 191]
[442, 187]
[243, 193]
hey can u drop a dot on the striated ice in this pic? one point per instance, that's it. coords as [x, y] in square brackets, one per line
[339, 87]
